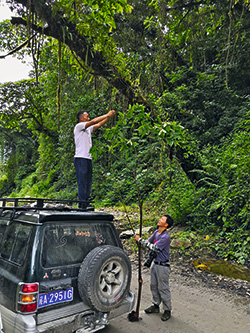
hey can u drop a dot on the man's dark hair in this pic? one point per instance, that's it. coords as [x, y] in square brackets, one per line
[169, 221]
[79, 113]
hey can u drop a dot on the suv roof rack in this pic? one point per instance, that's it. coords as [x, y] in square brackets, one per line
[44, 204]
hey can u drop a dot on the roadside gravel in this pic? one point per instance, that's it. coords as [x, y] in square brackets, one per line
[202, 302]
[197, 308]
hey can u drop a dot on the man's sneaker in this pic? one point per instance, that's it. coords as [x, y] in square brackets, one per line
[152, 309]
[166, 315]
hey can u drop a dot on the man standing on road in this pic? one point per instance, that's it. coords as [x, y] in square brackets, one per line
[83, 143]
[159, 244]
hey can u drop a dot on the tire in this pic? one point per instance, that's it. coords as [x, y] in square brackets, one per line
[104, 277]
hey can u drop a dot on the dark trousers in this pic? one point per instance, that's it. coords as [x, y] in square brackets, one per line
[83, 168]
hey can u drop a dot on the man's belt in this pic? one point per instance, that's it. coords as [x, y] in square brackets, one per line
[162, 263]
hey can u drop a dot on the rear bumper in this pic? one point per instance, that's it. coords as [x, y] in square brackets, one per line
[125, 307]
[78, 317]
[15, 322]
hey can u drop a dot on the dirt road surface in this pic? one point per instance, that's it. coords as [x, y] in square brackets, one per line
[196, 309]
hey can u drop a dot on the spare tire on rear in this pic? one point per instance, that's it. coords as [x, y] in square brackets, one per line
[104, 277]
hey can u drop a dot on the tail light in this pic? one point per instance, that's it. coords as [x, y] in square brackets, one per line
[27, 297]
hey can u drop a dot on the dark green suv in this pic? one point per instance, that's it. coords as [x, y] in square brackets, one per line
[62, 269]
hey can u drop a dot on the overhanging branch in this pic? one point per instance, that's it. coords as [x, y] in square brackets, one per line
[58, 27]
[18, 48]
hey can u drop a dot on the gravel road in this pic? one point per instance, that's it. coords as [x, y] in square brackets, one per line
[196, 309]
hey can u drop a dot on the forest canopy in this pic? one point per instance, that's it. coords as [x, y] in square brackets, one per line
[177, 74]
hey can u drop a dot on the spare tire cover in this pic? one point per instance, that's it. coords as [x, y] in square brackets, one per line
[104, 277]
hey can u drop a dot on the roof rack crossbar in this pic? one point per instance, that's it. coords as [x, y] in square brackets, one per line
[43, 203]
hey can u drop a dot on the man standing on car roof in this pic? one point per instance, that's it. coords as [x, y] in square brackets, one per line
[159, 245]
[83, 143]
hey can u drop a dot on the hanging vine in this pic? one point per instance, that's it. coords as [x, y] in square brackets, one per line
[228, 41]
[35, 51]
[59, 59]
[29, 23]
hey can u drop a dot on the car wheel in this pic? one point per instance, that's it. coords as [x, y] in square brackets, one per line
[104, 277]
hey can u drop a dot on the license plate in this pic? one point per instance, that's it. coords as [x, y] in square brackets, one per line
[55, 297]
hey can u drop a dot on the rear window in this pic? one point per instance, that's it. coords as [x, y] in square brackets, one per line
[68, 243]
[15, 242]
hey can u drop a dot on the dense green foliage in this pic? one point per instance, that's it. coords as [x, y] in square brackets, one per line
[177, 74]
